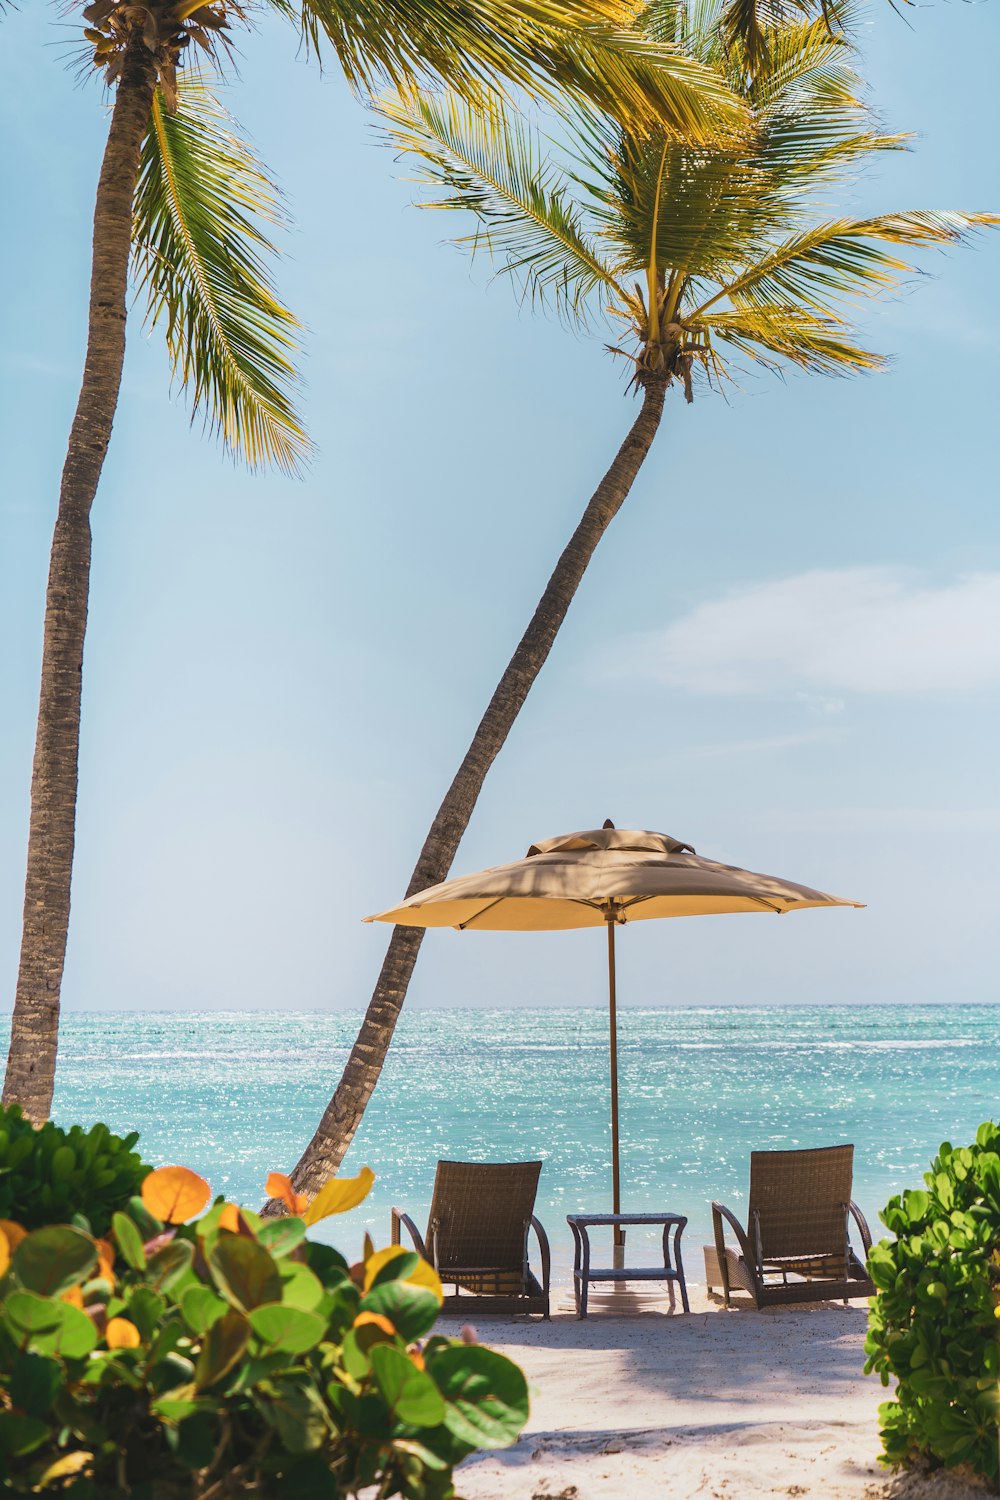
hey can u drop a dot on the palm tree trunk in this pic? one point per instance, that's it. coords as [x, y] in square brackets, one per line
[34, 1029]
[343, 1114]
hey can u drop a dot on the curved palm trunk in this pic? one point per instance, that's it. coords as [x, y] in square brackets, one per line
[34, 1029]
[343, 1114]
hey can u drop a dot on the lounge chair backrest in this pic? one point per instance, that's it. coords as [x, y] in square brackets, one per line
[480, 1212]
[798, 1201]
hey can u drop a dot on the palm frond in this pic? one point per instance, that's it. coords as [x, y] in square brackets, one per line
[586, 47]
[772, 335]
[203, 208]
[842, 259]
[489, 162]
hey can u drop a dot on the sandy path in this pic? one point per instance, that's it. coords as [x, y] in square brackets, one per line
[715, 1405]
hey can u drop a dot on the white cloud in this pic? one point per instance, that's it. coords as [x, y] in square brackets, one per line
[831, 631]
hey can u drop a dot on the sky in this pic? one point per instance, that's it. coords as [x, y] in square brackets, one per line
[786, 651]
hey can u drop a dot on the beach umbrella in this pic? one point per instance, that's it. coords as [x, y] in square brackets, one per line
[602, 878]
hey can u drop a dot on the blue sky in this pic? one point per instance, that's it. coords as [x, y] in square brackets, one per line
[786, 651]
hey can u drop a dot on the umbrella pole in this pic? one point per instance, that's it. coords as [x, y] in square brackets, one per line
[616, 1193]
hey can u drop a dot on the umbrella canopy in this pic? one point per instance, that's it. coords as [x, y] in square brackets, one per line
[606, 874]
[603, 877]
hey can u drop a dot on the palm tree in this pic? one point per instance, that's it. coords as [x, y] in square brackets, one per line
[166, 179]
[701, 255]
[181, 193]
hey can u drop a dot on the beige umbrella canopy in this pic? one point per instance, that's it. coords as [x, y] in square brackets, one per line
[605, 877]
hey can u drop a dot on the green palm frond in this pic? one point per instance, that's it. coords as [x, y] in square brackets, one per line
[203, 208]
[489, 162]
[588, 47]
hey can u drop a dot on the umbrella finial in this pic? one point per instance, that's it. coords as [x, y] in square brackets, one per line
[607, 823]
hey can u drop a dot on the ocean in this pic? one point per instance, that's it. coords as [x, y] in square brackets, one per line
[235, 1095]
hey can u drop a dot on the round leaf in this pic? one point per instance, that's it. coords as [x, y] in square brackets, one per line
[412, 1310]
[486, 1395]
[202, 1307]
[244, 1272]
[281, 1236]
[175, 1194]
[53, 1259]
[49, 1327]
[221, 1349]
[290, 1329]
[121, 1334]
[411, 1395]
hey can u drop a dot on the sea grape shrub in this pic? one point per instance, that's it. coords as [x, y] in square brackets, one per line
[232, 1356]
[49, 1175]
[933, 1323]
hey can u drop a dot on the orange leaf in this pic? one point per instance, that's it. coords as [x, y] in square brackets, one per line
[121, 1334]
[74, 1297]
[175, 1194]
[280, 1186]
[418, 1359]
[230, 1218]
[12, 1233]
[106, 1261]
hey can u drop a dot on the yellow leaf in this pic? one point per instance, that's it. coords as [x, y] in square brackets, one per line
[280, 1186]
[338, 1195]
[121, 1334]
[422, 1275]
[4, 1253]
[175, 1194]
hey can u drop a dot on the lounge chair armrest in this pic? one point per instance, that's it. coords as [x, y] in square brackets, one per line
[720, 1212]
[543, 1245]
[398, 1220]
[862, 1223]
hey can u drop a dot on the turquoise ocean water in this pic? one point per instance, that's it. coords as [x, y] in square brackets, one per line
[237, 1094]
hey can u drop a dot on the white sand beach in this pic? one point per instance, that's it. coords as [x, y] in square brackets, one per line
[717, 1404]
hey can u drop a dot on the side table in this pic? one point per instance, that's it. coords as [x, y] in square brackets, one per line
[584, 1273]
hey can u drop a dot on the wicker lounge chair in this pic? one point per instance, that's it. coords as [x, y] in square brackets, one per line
[798, 1227]
[477, 1236]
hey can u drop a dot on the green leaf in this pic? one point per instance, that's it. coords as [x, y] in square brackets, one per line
[244, 1272]
[411, 1395]
[129, 1241]
[202, 1307]
[20, 1435]
[412, 1310]
[281, 1236]
[195, 1440]
[291, 1329]
[51, 1260]
[49, 1327]
[293, 1405]
[34, 1382]
[145, 1309]
[486, 1395]
[221, 1349]
[396, 1269]
[300, 1287]
[168, 1264]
